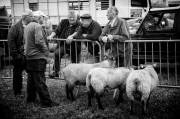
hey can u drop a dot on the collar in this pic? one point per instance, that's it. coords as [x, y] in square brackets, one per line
[73, 24]
[112, 22]
[34, 21]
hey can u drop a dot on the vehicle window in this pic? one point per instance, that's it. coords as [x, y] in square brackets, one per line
[139, 3]
[159, 22]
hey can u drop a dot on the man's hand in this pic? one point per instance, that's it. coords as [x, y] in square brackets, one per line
[110, 37]
[84, 35]
[69, 39]
[104, 39]
[50, 37]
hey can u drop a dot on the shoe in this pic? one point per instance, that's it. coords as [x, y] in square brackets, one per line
[54, 74]
[18, 94]
[51, 104]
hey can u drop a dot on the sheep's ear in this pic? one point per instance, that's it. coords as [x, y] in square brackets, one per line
[141, 66]
[154, 65]
[105, 57]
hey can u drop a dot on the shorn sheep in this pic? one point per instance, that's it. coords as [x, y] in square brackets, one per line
[75, 74]
[140, 84]
[100, 78]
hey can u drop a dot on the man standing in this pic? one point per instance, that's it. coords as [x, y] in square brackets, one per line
[66, 29]
[16, 46]
[37, 52]
[90, 30]
[117, 30]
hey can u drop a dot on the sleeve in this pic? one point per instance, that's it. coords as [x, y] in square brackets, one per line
[79, 33]
[12, 37]
[59, 28]
[39, 40]
[96, 32]
[104, 31]
[124, 33]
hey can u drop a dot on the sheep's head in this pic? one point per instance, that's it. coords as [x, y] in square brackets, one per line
[142, 66]
[111, 58]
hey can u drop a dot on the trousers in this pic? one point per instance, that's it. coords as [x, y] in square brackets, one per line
[36, 82]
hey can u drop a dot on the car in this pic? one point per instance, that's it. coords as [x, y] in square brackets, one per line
[162, 25]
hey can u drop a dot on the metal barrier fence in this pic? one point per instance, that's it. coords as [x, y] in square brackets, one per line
[66, 55]
[166, 53]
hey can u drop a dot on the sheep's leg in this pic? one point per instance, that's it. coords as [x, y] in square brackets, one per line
[71, 93]
[89, 99]
[120, 97]
[67, 92]
[147, 103]
[90, 95]
[99, 101]
[143, 107]
[132, 104]
[77, 91]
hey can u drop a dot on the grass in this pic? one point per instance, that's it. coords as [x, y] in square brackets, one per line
[164, 104]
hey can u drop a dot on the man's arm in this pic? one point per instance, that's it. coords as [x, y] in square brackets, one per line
[79, 33]
[12, 37]
[57, 30]
[40, 42]
[104, 32]
[125, 35]
[96, 32]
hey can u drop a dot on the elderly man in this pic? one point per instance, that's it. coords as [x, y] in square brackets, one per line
[90, 30]
[16, 46]
[117, 30]
[37, 52]
[66, 29]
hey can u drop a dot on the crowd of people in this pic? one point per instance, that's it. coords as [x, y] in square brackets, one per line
[28, 43]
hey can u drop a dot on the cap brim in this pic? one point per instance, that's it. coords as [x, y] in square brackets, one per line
[85, 17]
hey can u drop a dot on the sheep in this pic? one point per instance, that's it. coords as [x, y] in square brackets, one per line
[140, 84]
[75, 74]
[100, 78]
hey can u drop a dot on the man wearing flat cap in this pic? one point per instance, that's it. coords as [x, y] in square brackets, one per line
[89, 30]
[37, 53]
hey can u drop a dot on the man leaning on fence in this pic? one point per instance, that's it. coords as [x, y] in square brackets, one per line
[66, 29]
[16, 46]
[37, 53]
[90, 30]
[117, 31]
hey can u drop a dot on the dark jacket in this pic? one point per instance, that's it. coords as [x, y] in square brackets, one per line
[15, 39]
[93, 31]
[63, 30]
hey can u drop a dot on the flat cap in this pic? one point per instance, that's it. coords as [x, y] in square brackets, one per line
[86, 16]
[39, 13]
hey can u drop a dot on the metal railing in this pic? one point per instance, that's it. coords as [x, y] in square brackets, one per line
[166, 53]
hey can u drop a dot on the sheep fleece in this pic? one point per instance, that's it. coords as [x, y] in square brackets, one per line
[147, 80]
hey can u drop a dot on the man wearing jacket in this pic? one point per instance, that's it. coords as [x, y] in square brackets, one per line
[15, 43]
[37, 53]
[117, 31]
[66, 29]
[90, 30]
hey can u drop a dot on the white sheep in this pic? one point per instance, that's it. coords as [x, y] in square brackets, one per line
[75, 74]
[140, 85]
[100, 78]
